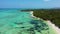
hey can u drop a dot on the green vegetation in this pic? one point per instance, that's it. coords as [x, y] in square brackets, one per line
[48, 14]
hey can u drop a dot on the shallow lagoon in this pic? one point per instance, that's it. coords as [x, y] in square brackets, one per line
[18, 22]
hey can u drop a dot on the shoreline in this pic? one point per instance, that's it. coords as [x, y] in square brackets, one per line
[31, 12]
[53, 26]
[49, 23]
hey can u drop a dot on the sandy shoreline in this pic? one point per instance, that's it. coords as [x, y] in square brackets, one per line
[54, 27]
[49, 23]
[31, 12]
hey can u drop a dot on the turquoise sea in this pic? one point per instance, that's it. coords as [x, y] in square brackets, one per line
[15, 21]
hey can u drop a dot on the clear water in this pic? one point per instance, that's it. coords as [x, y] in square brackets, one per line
[18, 22]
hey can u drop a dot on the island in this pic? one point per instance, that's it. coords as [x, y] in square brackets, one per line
[47, 14]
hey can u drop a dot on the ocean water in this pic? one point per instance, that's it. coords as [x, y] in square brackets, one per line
[21, 22]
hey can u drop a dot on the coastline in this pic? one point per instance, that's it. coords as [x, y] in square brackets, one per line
[31, 12]
[53, 26]
[49, 23]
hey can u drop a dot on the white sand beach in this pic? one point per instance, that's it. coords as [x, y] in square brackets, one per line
[50, 24]
[54, 27]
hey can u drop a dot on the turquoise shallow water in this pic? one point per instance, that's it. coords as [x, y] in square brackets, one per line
[18, 22]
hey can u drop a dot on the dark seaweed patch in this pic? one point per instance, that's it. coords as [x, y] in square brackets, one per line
[37, 27]
[18, 23]
[34, 22]
[31, 29]
[32, 32]
[22, 27]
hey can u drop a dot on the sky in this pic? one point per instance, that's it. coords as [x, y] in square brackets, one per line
[29, 3]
